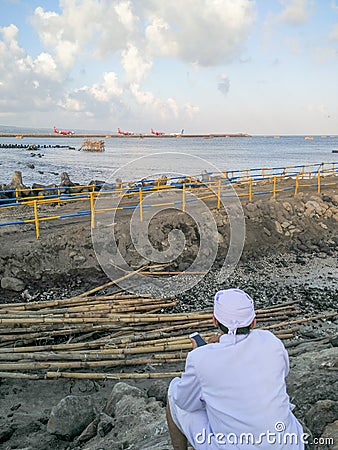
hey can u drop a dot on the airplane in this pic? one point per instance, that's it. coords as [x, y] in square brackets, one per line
[178, 133]
[63, 132]
[157, 133]
[124, 133]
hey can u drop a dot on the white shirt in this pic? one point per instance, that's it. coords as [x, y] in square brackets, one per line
[240, 384]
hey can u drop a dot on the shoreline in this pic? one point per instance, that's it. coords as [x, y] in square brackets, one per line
[290, 254]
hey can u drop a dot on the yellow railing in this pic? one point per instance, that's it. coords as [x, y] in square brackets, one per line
[246, 187]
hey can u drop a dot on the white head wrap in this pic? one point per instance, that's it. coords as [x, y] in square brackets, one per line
[234, 308]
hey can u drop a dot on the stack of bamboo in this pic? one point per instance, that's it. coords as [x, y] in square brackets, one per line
[114, 333]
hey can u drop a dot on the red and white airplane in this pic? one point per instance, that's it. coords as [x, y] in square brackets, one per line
[124, 133]
[157, 133]
[63, 132]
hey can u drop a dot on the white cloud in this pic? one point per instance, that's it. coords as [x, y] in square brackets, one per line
[85, 28]
[160, 38]
[206, 32]
[117, 43]
[100, 97]
[191, 110]
[135, 64]
[156, 108]
[126, 16]
[27, 83]
[45, 65]
[295, 12]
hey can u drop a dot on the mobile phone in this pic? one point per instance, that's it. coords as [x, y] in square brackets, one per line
[198, 339]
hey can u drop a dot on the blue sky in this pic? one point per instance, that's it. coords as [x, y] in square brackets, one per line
[259, 67]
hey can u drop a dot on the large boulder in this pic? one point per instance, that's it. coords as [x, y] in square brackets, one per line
[158, 389]
[65, 180]
[320, 414]
[139, 422]
[12, 284]
[119, 391]
[71, 416]
[16, 183]
[329, 438]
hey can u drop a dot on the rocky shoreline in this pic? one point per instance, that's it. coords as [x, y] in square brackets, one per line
[33, 412]
[278, 265]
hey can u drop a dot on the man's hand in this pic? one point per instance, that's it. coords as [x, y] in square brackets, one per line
[213, 339]
[194, 344]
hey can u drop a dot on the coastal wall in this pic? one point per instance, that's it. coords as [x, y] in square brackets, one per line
[307, 222]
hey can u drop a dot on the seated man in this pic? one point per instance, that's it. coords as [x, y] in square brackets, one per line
[232, 393]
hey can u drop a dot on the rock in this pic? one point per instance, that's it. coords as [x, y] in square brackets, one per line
[158, 389]
[279, 228]
[309, 379]
[119, 391]
[12, 284]
[70, 416]
[6, 432]
[312, 207]
[65, 180]
[89, 432]
[16, 183]
[320, 414]
[106, 424]
[287, 206]
[266, 231]
[286, 224]
[329, 439]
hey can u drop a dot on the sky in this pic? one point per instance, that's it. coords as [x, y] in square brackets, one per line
[226, 66]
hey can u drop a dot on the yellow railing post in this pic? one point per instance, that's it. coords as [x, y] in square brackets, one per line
[16, 195]
[92, 209]
[274, 187]
[141, 204]
[297, 184]
[59, 193]
[318, 182]
[183, 197]
[303, 171]
[219, 194]
[250, 190]
[36, 219]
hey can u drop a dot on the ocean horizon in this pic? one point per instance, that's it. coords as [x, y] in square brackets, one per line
[134, 159]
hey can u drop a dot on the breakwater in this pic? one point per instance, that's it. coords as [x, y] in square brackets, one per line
[33, 146]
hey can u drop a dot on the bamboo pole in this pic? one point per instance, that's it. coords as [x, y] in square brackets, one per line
[111, 283]
[18, 375]
[113, 376]
[293, 322]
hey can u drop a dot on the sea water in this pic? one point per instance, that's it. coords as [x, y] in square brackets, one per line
[136, 158]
